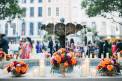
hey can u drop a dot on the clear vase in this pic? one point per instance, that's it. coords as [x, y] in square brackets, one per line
[62, 70]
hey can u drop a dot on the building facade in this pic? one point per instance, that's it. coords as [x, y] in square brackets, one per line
[40, 12]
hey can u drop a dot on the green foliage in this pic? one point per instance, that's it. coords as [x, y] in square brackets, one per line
[97, 7]
[10, 9]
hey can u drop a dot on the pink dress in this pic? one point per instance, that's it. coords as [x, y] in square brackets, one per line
[114, 49]
[26, 50]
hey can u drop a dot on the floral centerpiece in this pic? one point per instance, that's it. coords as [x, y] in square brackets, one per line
[9, 56]
[108, 67]
[17, 68]
[63, 61]
[2, 54]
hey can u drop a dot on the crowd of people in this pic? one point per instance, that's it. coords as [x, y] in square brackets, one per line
[100, 48]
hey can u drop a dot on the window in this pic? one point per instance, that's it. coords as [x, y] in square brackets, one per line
[49, 1]
[31, 1]
[104, 23]
[40, 1]
[49, 11]
[57, 11]
[23, 1]
[120, 29]
[13, 25]
[31, 11]
[23, 29]
[31, 28]
[103, 29]
[94, 24]
[24, 14]
[39, 27]
[6, 29]
[39, 11]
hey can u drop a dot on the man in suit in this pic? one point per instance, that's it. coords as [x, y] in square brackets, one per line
[100, 45]
[4, 43]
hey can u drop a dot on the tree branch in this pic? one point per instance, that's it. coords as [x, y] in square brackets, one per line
[114, 20]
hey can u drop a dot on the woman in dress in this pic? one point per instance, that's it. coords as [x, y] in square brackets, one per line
[26, 49]
[114, 48]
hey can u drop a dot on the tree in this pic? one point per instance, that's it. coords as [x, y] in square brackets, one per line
[10, 9]
[103, 8]
[62, 30]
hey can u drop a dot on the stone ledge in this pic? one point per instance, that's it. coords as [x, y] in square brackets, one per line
[64, 79]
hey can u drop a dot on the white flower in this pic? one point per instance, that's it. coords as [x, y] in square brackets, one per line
[18, 65]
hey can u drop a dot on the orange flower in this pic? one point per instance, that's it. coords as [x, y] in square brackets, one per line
[63, 50]
[54, 54]
[24, 69]
[18, 69]
[107, 61]
[66, 64]
[98, 67]
[110, 67]
[73, 60]
[62, 55]
[58, 58]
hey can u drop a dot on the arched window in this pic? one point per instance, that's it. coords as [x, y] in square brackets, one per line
[31, 28]
[39, 27]
[13, 25]
[6, 28]
[23, 29]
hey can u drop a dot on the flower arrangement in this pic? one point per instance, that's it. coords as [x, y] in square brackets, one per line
[9, 56]
[63, 60]
[108, 67]
[17, 68]
[2, 54]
